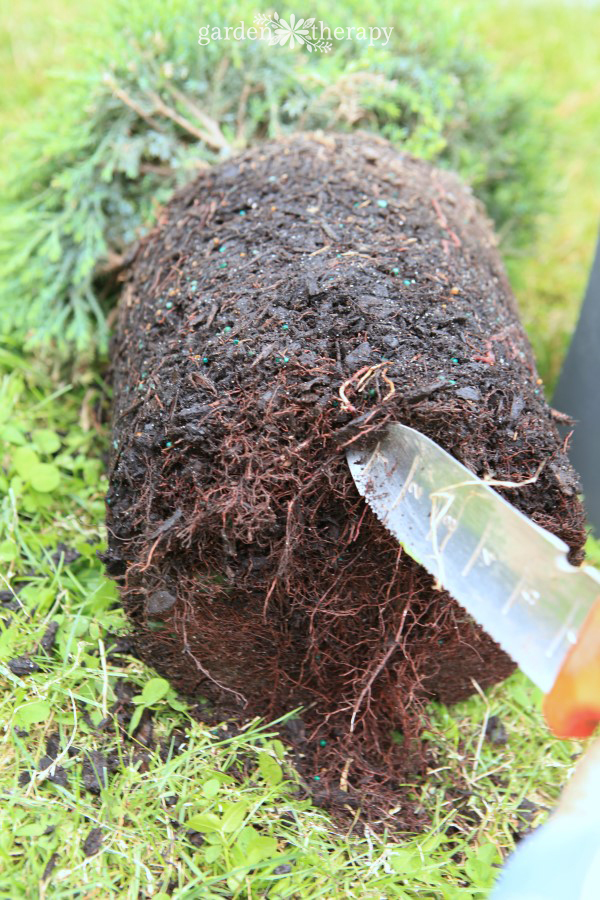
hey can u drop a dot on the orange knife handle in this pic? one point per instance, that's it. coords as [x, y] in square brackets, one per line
[572, 708]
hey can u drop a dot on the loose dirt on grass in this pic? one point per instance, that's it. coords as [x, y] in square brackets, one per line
[291, 300]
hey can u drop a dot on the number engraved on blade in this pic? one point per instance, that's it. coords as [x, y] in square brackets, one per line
[451, 524]
[488, 556]
[531, 596]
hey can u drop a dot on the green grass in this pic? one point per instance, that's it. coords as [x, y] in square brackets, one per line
[233, 788]
[555, 44]
[260, 831]
[34, 39]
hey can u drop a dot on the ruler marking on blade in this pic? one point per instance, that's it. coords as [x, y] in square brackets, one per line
[452, 527]
[513, 597]
[372, 459]
[561, 633]
[454, 521]
[406, 485]
[480, 545]
[437, 516]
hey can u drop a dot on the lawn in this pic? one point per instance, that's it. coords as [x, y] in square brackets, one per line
[111, 785]
[556, 45]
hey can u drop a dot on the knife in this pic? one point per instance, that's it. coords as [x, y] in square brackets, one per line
[511, 576]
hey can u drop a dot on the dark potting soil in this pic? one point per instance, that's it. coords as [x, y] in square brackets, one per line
[289, 301]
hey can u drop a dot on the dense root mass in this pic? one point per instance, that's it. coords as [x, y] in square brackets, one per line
[290, 301]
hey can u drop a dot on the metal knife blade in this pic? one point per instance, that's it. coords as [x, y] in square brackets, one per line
[511, 576]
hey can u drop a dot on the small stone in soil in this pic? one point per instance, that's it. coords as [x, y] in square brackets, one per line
[50, 866]
[120, 645]
[285, 869]
[159, 602]
[175, 744]
[195, 838]
[7, 598]
[67, 553]
[49, 638]
[495, 732]
[527, 810]
[295, 729]
[53, 745]
[57, 776]
[22, 665]
[144, 731]
[93, 842]
[95, 770]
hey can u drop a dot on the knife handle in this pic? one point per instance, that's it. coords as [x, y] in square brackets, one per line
[572, 707]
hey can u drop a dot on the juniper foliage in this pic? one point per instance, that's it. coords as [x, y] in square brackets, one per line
[145, 106]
